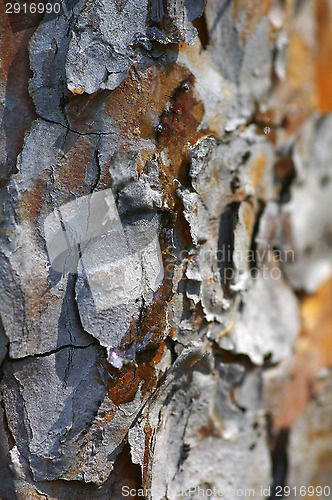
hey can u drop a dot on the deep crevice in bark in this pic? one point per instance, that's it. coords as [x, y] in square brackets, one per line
[227, 226]
[202, 30]
[279, 461]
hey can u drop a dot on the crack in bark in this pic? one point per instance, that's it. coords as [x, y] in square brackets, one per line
[41, 494]
[96, 157]
[53, 351]
[99, 134]
[279, 459]
[185, 448]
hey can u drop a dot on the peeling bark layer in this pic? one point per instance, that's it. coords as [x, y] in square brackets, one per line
[165, 249]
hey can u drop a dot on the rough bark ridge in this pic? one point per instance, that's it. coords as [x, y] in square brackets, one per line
[181, 343]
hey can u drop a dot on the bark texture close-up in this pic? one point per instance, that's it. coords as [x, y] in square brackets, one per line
[166, 249]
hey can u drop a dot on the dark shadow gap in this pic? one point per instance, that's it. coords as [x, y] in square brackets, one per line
[202, 30]
[225, 251]
[279, 463]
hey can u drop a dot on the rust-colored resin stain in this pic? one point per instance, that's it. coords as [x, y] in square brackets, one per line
[255, 11]
[156, 104]
[313, 354]
[146, 479]
[31, 203]
[123, 390]
[210, 430]
[258, 169]
[178, 125]
[72, 169]
[138, 102]
[324, 55]
[19, 112]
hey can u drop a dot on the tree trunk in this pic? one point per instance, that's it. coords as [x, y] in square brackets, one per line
[165, 249]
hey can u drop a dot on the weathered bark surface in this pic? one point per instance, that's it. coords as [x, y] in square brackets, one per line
[165, 249]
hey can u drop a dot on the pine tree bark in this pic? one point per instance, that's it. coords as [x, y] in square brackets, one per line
[165, 249]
